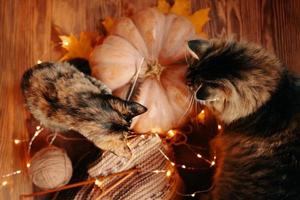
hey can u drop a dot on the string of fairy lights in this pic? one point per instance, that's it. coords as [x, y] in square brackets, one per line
[39, 129]
[157, 132]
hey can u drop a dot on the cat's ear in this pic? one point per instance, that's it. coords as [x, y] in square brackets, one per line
[198, 47]
[128, 109]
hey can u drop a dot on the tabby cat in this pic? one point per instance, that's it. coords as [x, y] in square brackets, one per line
[62, 98]
[258, 100]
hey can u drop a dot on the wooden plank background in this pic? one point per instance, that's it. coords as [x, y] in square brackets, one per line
[28, 29]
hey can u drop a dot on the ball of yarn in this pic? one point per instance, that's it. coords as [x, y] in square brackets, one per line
[50, 168]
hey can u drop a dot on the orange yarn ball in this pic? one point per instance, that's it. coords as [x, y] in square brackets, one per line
[50, 168]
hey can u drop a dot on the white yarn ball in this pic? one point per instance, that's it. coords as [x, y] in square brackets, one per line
[50, 168]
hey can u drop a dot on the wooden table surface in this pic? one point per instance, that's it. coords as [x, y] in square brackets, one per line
[28, 28]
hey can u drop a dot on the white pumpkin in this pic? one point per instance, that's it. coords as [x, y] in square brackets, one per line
[152, 45]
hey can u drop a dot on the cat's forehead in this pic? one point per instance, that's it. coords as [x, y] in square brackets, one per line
[219, 65]
[232, 60]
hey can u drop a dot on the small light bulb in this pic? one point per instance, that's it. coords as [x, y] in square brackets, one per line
[16, 141]
[183, 166]
[173, 164]
[65, 43]
[98, 183]
[38, 61]
[168, 174]
[38, 127]
[171, 133]
[212, 163]
[201, 116]
[28, 165]
[193, 195]
[199, 156]
[4, 183]
[219, 127]
[18, 172]
[143, 136]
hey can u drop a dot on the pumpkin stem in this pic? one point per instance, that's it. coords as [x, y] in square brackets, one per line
[154, 69]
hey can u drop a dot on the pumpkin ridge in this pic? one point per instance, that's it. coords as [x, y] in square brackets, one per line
[132, 44]
[154, 14]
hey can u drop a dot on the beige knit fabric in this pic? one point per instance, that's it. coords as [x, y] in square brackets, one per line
[143, 185]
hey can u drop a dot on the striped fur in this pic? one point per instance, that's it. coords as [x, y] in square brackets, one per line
[62, 98]
[258, 100]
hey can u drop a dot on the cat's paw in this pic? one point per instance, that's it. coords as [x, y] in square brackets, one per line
[123, 150]
[116, 144]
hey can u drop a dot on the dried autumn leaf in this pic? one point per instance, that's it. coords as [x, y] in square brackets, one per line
[79, 48]
[181, 7]
[163, 6]
[199, 19]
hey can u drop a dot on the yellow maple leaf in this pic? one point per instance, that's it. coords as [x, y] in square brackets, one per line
[199, 19]
[79, 48]
[163, 6]
[181, 7]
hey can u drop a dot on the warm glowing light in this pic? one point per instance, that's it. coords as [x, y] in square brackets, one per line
[183, 166]
[201, 116]
[199, 156]
[4, 183]
[173, 164]
[16, 141]
[98, 183]
[156, 171]
[212, 163]
[28, 165]
[143, 136]
[193, 195]
[18, 172]
[171, 133]
[219, 127]
[38, 61]
[168, 174]
[65, 43]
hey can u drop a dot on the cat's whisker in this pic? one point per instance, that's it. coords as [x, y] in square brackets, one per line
[189, 107]
[53, 138]
[187, 55]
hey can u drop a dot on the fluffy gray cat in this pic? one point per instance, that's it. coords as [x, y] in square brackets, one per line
[258, 101]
